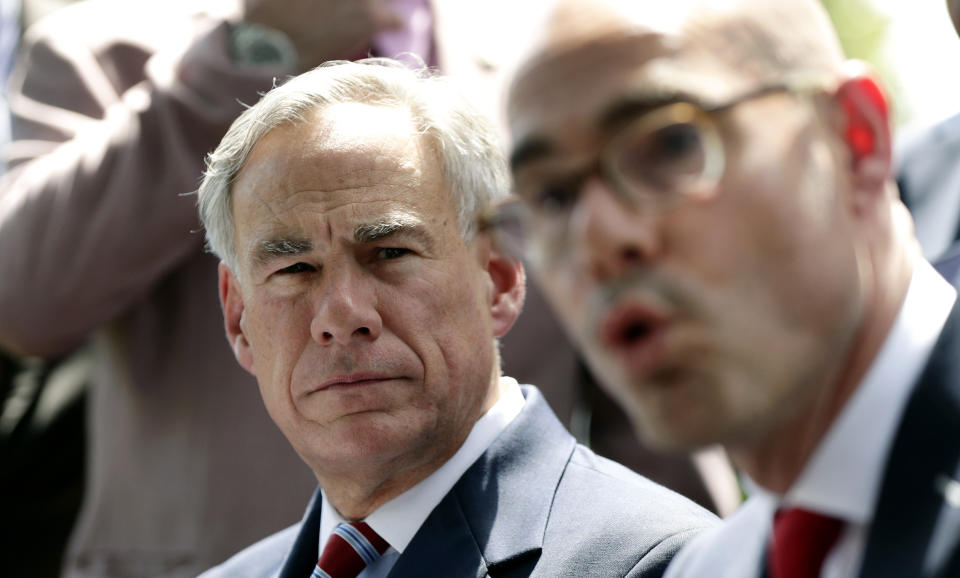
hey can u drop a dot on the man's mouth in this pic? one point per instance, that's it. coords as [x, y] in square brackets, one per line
[352, 380]
[634, 333]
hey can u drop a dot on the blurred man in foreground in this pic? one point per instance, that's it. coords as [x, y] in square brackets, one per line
[357, 290]
[711, 211]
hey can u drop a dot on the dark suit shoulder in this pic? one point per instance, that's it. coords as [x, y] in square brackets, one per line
[605, 516]
[916, 527]
[537, 504]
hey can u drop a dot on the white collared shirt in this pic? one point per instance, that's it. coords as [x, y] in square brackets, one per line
[842, 477]
[398, 520]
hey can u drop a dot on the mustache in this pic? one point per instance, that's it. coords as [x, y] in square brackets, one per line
[669, 294]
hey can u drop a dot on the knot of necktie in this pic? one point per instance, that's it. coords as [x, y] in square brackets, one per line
[801, 541]
[352, 547]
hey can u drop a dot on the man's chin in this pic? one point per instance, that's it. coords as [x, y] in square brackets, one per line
[673, 440]
[668, 415]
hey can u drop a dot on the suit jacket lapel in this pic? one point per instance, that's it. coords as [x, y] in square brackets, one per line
[923, 459]
[443, 546]
[302, 558]
[495, 517]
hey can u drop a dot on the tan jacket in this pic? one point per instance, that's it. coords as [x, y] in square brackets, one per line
[115, 105]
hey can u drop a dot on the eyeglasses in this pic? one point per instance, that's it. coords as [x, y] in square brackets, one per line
[670, 153]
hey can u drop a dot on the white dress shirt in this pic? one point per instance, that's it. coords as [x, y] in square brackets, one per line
[842, 477]
[398, 520]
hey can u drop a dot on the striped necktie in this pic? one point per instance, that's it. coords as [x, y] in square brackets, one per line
[352, 547]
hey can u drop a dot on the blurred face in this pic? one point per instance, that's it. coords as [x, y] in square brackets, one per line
[712, 308]
[366, 318]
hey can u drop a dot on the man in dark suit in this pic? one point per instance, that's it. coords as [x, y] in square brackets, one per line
[358, 291]
[706, 193]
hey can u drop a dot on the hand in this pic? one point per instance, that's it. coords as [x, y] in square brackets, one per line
[324, 30]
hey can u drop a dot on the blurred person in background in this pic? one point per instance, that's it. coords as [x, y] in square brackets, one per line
[711, 211]
[9, 33]
[42, 405]
[928, 175]
[114, 105]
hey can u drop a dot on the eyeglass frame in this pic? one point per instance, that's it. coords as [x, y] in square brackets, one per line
[516, 208]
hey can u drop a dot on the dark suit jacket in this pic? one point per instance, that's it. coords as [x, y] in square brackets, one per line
[536, 503]
[915, 532]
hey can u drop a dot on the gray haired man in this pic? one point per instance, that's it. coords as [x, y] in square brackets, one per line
[357, 289]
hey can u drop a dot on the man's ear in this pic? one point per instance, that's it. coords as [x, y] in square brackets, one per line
[231, 300]
[508, 287]
[864, 126]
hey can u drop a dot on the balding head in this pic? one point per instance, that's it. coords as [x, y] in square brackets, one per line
[705, 49]
[708, 195]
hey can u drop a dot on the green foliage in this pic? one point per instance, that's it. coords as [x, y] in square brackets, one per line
[862, 29]
[863, 34]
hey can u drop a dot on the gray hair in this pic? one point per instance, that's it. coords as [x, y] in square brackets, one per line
[472, 159]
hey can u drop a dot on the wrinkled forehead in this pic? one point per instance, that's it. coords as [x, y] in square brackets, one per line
[709, 53]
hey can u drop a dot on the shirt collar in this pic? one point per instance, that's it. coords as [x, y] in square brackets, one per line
[398, 520]
[842, 476]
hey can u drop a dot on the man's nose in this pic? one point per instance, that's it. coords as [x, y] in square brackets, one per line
[610, 237]
[346, 309]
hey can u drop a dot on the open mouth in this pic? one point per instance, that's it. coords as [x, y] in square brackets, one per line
[630, 325]
[634, 334]
[634, 331]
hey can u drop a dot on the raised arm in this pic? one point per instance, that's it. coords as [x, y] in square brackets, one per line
[112, 115]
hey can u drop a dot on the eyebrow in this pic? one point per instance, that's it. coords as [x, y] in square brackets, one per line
[528, 151]
[271, 249]
[535, 148]
[630, 107]
[392, 226]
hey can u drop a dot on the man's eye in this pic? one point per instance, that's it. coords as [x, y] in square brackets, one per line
[555, 197]
[676, 142]
[296, 268]
[392, 252]
[663, 159]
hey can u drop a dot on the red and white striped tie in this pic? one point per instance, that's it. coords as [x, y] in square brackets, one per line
[352, 547]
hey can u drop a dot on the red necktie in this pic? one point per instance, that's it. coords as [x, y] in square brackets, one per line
[801, 540]
[351, 548]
